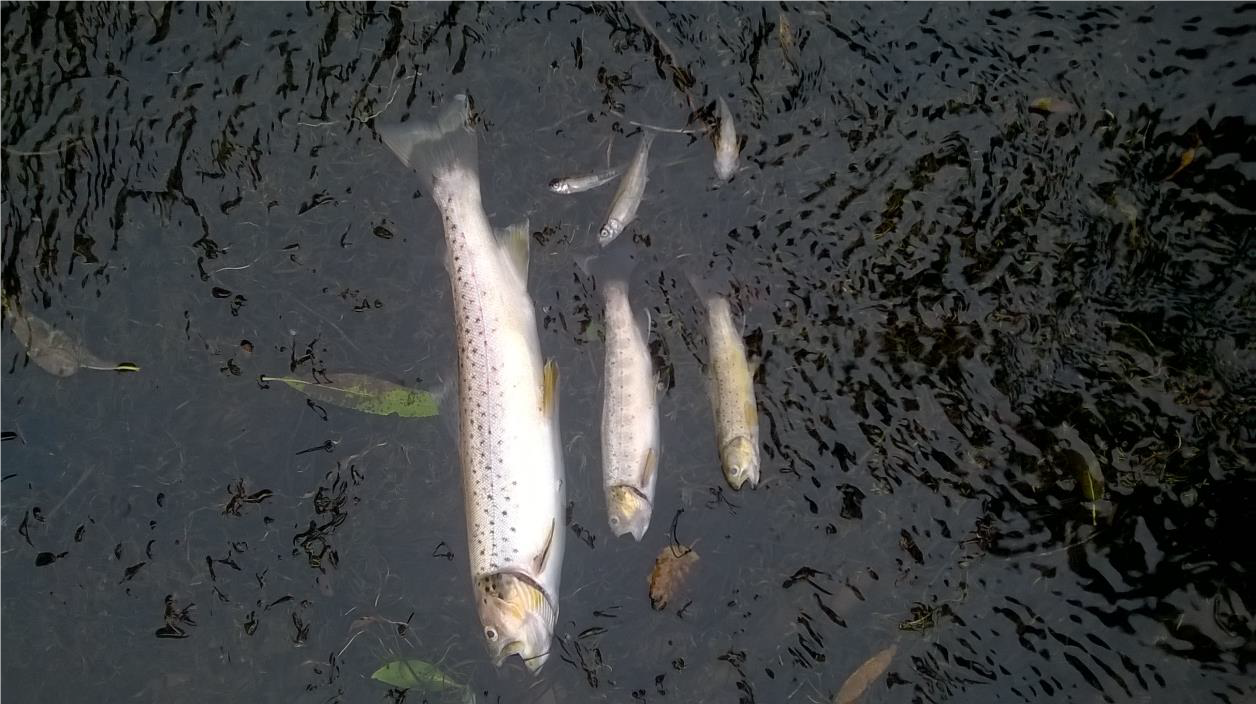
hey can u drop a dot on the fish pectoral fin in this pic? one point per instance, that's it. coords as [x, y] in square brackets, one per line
[514, 242]
[751, 413]
[538, 563]
[549, 390]
[649, 466]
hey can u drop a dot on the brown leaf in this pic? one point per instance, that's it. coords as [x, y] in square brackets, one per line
[863, 676]
[669, 573]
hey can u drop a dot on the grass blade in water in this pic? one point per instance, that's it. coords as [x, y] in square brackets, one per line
[55, 351]
[367, 394]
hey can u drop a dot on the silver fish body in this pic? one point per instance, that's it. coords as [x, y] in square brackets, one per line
[586, 182]
[732, 396]
[630, 421]
[725, 144]
[512, 468]
[628, 198]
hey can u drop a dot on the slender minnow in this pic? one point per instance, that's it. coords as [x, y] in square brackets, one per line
[586, 182]
[628, 197]
[630, 420]
[725, 144]
[512, 468]
[732, 395]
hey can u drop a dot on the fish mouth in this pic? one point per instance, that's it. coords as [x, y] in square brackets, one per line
[533, 663]
[630, 510]
[739, 464]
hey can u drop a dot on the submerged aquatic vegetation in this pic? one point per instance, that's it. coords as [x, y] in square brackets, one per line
[361, 392]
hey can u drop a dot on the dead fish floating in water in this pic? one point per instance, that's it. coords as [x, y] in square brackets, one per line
[512, 465]
[586, 182]
[630, 413]
[725, 144]
[56, 351]
[731, 390]
[628, 197]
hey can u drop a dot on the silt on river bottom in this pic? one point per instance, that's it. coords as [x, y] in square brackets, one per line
[996, 262]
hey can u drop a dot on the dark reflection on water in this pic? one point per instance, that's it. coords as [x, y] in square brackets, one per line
[997, 260]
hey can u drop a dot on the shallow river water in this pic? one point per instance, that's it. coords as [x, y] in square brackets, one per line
[996, 262]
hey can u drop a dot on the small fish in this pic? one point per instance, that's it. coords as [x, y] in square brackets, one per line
[512, 465]
[630, 420]
[628, 197]
[725, 144]
[586, 182]
[732, 392]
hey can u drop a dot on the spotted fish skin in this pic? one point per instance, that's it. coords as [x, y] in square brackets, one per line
[512, 467]
[630, 422]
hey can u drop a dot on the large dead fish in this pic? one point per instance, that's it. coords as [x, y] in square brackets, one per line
[630, 415]
[512, 468]
[731, 390]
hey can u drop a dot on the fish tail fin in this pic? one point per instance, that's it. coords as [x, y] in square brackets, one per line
[615, 262]
[710, 282]
[437, 150]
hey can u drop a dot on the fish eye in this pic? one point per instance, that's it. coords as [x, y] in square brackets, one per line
[614, 521]
[490, 633]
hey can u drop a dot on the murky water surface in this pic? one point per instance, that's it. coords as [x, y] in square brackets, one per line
[997, 262]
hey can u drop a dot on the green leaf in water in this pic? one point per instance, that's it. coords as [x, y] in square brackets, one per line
[416, 674]
[55, 351]
[364, 393]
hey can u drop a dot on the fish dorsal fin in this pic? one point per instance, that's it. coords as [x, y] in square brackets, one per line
[538, 563]
[649, 466]
[514, 242]
[644, 323]
[549, 389]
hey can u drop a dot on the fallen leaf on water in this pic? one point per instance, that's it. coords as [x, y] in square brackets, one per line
[55, 351]
[864, 675]
[670, 570]
[364, 393]
[1188, 156]
[423, 676]
[1048, 106]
